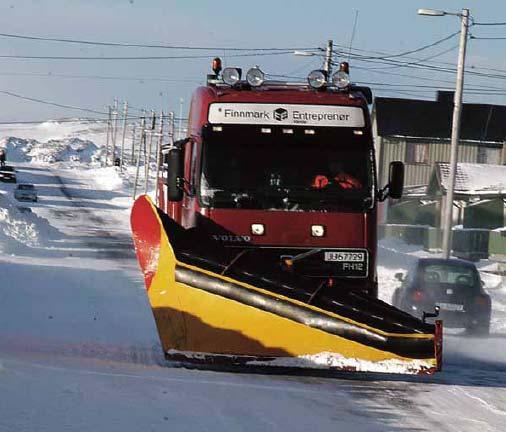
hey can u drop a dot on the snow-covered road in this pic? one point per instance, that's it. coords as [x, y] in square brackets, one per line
[79, 350]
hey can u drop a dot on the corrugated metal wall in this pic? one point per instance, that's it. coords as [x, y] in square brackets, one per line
[418, 174]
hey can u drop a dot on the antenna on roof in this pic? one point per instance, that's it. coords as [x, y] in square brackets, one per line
[353, 34]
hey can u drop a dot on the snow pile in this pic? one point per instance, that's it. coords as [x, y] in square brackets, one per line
[66, 150]
[17, 148]
[15, 226]
[328, 360]
[20, 228]
[54, 150]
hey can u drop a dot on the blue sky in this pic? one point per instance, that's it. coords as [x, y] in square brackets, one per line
[390, 26]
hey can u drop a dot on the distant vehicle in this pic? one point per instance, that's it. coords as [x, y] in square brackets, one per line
[452, 284]
[25, 192]
[7, 174]
[23, 209]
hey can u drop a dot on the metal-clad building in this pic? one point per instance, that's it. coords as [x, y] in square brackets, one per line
[417, 132]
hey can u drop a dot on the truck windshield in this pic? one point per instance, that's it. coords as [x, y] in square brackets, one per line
[291, 169]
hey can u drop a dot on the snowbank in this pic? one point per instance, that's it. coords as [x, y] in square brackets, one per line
[17, 148]
[67, 150]
[64, 150]
[20, 228]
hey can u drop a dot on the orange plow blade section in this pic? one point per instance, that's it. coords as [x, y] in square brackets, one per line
[211, 307]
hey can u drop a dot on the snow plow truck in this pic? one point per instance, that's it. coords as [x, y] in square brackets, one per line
[261, 247]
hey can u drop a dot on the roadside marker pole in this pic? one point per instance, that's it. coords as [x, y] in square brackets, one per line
[143, 139]
[108, 135]
[114, 130]
[147, 160]
[125, 113]
[132, 154]
[171, 128]
[158, 154]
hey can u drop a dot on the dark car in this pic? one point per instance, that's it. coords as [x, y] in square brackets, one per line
[25, 192]
[452, 284]
[7, 174]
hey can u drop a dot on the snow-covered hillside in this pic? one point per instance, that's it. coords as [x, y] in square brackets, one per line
[79, 349]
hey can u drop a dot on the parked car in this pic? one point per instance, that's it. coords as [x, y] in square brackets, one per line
[454, 286]
[25, 192]
[7, 174]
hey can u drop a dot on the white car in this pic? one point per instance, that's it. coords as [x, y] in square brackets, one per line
[25, 192]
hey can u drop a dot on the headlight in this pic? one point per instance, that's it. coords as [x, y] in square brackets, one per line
[317, 231]
[231, 76]
[257, 229]
[255, 77]
[341, 79]
[317, 79]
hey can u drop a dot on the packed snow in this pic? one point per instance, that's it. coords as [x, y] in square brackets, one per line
[79, 349]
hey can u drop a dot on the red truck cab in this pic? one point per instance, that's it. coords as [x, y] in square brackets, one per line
[263, 167]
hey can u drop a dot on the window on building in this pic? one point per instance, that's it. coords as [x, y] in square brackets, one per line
[489, 155]
[417, 153]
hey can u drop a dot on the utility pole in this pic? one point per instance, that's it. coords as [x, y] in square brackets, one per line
[108, 136]
[180, 128]
[125, 113]
[457, 109]
[327, 67]
[142, 141]
[170, 128]
[148, 158]
[114, 130]
[159, 153]
[132, 154]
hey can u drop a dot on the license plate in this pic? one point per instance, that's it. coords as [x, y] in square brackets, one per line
[450, 306]
[332, 256]
[348, 262]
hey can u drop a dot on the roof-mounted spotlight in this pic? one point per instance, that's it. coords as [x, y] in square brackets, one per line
[341, 79]
[231, 76]
[317, 79]
[255, 77]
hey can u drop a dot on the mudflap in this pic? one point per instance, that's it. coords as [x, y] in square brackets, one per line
[212, 306]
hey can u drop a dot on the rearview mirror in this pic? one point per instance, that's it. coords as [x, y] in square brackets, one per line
[175, 174]
[396, 179]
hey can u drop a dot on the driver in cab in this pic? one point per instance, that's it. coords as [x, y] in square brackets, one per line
[337, 175]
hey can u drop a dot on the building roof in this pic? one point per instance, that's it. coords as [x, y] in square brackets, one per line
[470, 179]
[432, 119]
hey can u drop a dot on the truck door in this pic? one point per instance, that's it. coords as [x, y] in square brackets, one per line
[189, 199]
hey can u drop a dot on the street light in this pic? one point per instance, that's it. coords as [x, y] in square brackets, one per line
[457, 108]
[432, 12]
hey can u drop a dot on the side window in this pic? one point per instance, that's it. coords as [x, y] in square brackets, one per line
[417, 153]
[193, 166]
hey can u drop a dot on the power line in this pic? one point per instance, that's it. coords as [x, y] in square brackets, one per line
[138, 45]
[428, 67]
[422, 48]
[418, 61]
[26, 57]
[98, 77]
[469, 67]
[45, 102]
[487, 38]
[489, 23]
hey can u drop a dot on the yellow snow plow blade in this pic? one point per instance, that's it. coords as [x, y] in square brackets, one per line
[206, 312]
